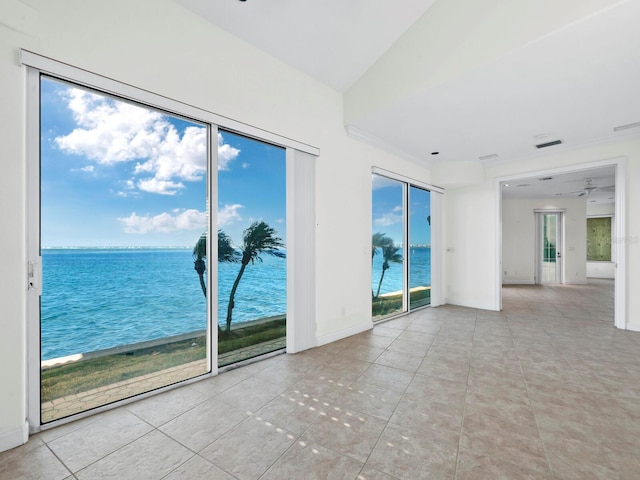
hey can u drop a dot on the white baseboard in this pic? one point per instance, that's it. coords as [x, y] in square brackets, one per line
[488, 306]
[339, 335]
[517, 281]
[634, 327]
[14, 438]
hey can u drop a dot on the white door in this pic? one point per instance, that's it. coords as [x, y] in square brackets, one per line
[550, 247]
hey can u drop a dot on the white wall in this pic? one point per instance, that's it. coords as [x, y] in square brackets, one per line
[519, 239]
[158, 46]
[472, 218]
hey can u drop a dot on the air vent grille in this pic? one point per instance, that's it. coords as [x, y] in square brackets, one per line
[549, 144]
[626, 127]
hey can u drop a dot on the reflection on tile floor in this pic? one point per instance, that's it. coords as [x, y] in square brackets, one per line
[545, 389]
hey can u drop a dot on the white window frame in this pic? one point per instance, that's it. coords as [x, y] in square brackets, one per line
[301, 157]
[437, 297]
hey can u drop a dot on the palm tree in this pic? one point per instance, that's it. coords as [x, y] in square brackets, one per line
[379, 240]
[258, 239]
[389, 254]
[199, 260]
[226, 253]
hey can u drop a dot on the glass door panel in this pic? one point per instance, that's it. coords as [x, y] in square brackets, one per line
[419, 247]
[387, 248]
[252, 266]
[123, 191]
[550, 248]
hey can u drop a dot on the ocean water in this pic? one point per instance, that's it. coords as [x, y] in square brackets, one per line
[94, 299]
[97, 298]
[419, 271]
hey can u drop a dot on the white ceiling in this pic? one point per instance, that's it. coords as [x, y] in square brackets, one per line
[334, 41]
[575, 84]
[600, 183]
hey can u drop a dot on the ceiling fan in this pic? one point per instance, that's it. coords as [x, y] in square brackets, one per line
[589, 188]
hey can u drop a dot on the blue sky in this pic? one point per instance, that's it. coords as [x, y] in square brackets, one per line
[117, 174]
[387, 211]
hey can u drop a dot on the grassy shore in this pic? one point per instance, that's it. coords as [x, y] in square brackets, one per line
[82, 375]
[386, 305]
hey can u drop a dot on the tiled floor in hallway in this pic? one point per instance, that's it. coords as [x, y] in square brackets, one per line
[546, 389]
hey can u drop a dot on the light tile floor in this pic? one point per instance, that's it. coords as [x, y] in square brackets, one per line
[546, 389]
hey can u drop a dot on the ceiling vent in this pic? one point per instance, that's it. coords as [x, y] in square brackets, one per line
[626, 127]
[549, 144]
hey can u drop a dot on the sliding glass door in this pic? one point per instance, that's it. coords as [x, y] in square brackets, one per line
[388, 274]
[123, 194]
[252, 265]
[401, 269]
[419, 247]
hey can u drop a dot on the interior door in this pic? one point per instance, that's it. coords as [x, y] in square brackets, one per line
[550, 247]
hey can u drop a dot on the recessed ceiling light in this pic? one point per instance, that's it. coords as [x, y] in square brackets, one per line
[506, 184]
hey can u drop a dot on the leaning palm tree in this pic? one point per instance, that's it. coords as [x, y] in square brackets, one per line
[379, 240]
[389, 254]
[199, 260]
[226, 253]
[258, 239]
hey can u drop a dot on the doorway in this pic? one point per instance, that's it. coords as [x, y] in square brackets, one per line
[549, 247]
[613, 186]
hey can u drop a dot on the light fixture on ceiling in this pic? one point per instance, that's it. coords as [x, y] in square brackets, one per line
[588, 188]
[626, 127]
[506, 184]
[435, 153]
[523, 185]
[488, 157]
[545, 179]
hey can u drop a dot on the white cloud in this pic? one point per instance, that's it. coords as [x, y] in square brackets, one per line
[229, 214]
[165, 222]
[110, 131]
[245, 165]
[88, 168]
[387, 219]
[226, 154]
[163, 187]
